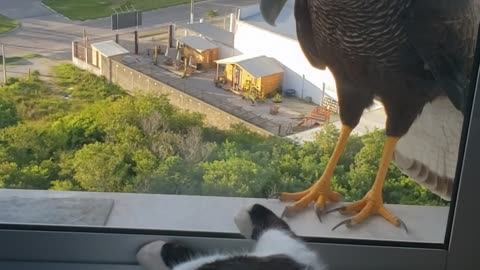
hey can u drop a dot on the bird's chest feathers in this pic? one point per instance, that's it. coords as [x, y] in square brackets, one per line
[361, 29]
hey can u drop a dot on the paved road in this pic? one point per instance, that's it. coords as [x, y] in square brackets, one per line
[46, 32]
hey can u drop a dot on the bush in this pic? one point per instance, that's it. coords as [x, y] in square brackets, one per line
[277, 98]
[8, 113]
[212, 13]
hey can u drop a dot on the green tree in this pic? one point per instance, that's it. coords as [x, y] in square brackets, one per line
[8, 113]
[103, 167]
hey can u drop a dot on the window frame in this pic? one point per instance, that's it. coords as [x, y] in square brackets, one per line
[49, 247]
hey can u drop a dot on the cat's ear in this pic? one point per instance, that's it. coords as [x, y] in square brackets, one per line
[256, 219]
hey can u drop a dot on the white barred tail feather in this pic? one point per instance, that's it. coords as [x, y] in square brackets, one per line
[428, 153]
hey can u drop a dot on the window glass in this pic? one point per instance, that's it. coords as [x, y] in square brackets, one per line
[333, 107]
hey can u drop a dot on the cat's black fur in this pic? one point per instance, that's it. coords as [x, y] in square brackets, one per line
[277, 248]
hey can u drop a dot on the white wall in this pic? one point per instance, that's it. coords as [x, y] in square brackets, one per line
[250, 39]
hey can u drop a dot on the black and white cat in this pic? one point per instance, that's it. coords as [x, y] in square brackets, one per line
[276, 247]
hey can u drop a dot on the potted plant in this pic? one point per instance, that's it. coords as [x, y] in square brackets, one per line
[277, 98]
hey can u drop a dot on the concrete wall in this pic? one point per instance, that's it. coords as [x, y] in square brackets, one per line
[299, 74]
[137, 83]
[81, 64]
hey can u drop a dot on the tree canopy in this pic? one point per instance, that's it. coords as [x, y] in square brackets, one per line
[81, 133]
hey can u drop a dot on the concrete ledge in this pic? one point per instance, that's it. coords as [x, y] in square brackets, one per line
[215, 214]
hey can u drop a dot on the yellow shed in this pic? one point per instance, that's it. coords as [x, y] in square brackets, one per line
[203, 52]
[243, 72]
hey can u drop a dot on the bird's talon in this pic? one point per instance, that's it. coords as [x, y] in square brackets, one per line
[340, 209]
[403, 225]
[319, 210]
[348, 223]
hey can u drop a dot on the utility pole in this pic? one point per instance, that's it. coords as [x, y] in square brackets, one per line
[191, 11]
[4, 65]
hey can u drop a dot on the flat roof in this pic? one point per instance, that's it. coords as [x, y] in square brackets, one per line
[198, 43]
[213, 32]
[257, 66]
[109, 48]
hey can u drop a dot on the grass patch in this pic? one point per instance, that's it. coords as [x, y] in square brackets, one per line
[7, 24]
[93, 9]
[72, 91]
[11, 60]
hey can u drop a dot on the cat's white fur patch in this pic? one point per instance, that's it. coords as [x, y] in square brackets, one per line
[149, 256]
[272, 242]
[244, 222]
[198, 262]
[275, 241]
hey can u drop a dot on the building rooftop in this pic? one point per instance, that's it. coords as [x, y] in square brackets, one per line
[257, 66]
[109, 48]
[213, 32]
[198, 43]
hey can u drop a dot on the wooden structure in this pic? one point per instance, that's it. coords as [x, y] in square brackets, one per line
[255, 77]
[198, 51]
[321, 114]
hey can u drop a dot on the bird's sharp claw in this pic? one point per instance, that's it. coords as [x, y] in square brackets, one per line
[403, 225]
[319, 210]
[347, 222]
[340, 209]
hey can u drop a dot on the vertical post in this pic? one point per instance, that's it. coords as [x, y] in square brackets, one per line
[86, 49]
[191, 11]
[116, 38]
[185, 67]
[85, 44]
[136, 41]
[155, 55]
[170, 36]
[4, 57]
[232, 23]
[323, 94]
[29, 74]
[74, 50]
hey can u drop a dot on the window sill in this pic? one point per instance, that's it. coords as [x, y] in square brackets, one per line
[215, 215]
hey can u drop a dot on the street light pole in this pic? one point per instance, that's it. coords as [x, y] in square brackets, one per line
[191, 11]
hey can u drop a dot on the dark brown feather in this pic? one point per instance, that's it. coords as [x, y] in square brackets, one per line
[304, 25]
[444, 34]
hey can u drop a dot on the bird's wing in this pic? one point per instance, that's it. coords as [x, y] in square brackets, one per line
[444, 34]
[304, 10]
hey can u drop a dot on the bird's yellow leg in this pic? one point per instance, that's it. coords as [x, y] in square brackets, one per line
[321, 191]
[372, 203]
